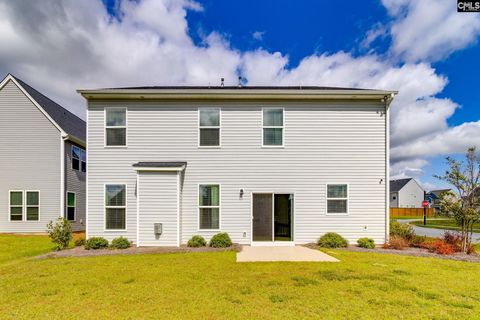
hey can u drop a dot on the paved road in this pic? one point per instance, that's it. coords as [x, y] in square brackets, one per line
[431, 232]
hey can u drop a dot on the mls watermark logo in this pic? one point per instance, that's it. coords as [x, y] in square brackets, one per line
[468, 6]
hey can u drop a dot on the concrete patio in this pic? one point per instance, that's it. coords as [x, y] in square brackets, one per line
[293, 253]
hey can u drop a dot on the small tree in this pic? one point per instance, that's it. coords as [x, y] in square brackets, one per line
[464, 206]
[60, 233]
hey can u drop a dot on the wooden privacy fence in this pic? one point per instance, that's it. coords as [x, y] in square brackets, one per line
[413, 212]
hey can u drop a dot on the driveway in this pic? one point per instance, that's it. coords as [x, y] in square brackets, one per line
[431, 232]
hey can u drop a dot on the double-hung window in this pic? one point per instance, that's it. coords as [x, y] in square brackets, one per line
[71, 205]
[273, 127]
[209, 206]
[209, 127]
[115, 206]
[337, 198]
[116, 127]
[79, 159]
[16, 205]
[24, 205]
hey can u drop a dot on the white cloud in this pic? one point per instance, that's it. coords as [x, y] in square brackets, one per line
[258, 35]
[429, 30]
[59, 46]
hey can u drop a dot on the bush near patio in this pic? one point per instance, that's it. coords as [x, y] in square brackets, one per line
[213, 285]
[60, 233]
[120, 243]
[96, 243]
[196, 242]
[366, 243]
[332, 240]
[401, 230]
[221, 240]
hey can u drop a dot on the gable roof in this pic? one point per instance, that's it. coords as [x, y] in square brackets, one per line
[397, 185]
[63, 119]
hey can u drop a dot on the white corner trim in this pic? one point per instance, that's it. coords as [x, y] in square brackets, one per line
[62, 177]
[178, 209]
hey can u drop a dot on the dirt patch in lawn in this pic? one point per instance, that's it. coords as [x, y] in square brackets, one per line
[416, 252]
[82, 252]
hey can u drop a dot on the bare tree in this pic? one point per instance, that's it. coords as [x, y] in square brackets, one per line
[464, 206]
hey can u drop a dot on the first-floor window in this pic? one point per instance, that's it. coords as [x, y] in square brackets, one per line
[16, 205]
[337, 198]
[33, 205]
[209, 206]
[71, 204]
[115, 206]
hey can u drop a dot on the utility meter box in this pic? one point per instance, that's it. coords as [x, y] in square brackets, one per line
[157, 228]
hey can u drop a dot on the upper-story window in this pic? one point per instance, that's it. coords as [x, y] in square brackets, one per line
[209, 127]
[79, 159]
[273, 127]
[115, 127]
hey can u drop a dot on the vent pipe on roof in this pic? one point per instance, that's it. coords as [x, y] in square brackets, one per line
[239, 81]
[221, 83]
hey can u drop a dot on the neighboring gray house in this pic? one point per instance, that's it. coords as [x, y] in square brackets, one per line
[405, 193]
[42, 160]
[268, 165]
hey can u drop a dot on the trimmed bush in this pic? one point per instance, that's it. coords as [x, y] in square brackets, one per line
[221, 240]
[96, 243]
[332, 240]
[120, 243]
[397, 243]
[402, 230]
[196, 242]
[60, 233]
[366, 243]
[417, 241]
[79, 242]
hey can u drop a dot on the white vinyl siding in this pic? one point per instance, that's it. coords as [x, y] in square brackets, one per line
[25, 131]
[325, 142]
[75, 182]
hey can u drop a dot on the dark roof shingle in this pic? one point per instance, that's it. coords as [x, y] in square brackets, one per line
[397, 185]
[69, 122]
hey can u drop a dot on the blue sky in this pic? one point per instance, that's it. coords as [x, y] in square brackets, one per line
[424, 49]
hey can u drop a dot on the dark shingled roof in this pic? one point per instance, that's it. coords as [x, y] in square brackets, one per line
[396, 185]
[164, 164]
[69, 122]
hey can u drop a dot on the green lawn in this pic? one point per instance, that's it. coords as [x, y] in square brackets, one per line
[448, 224]
[214, 286]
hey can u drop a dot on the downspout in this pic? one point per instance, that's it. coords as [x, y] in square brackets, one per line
[62, 174]
[387, 100]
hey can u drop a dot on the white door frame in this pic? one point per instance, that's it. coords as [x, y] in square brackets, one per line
[273, 242]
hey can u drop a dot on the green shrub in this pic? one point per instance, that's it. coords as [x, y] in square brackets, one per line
[60, 233]
[366, 243]
[79, 242]
[197, 241]
[221, 240]
[332, 240]
[96, 243]
[402, 230]
[120, 243]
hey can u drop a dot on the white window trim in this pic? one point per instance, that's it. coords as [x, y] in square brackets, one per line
[105, 127]
[114, 207]
[16, 206]
[219, 127]
[79, 159]
[26, 205]
[274, 127]
[207, 207]
[74, 206]
[347, 198]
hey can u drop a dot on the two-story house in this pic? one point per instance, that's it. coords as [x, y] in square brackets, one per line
[42, 161]
[268, 165]
[406, 193]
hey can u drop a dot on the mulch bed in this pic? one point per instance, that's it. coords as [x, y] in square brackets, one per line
[416, 252]
[81, 252]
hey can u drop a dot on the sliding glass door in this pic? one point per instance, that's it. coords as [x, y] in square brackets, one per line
[272, 217]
